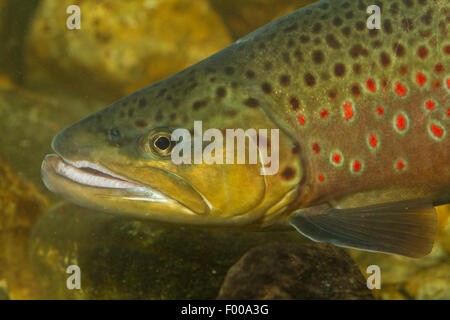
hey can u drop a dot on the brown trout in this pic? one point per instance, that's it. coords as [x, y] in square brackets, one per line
[363, 116]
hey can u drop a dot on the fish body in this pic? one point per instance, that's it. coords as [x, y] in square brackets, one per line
[363, 118]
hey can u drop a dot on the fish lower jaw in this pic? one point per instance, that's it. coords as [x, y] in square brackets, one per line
[89, 174]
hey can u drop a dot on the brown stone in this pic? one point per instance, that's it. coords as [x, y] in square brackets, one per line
[295, 271]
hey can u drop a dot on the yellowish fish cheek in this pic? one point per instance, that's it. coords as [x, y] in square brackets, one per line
[229, 189]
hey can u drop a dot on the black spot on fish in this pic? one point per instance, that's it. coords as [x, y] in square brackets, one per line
[407, 25]
[294, 103]
[310, 80]
[268, 65]
[142, 103]
[358, 50]
[332, 41]
[357, 68]
[385, 59]
[355, 90]
[199, 104]
[332, 94]
[229, 70]
[251, 102]
[337, 22]
[250, 74]
[346, 31]
[427, 18]
[140, 123]
[408, 3]
[349, 15]
[304, 39]
[399, 50]
[285, 80]
[161, 92]
[387, 26]
[288, 173]
[360, 26]
[221, 92]
[298, 55]
[266, 87]
[377, 44]
[373, 33]
[339, 70]
[318, 57]
[394, 9]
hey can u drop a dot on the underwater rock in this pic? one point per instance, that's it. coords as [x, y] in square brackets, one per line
[431, 283]
[295, 271]
[242, 17]
[20, 206]
[123, 258]
[122, 45]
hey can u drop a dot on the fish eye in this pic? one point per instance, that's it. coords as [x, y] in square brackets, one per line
[157, 143]
[162, 143]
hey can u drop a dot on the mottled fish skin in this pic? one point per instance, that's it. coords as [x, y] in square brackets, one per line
[364, 116]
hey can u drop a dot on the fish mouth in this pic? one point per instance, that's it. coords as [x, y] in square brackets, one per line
[87, 174]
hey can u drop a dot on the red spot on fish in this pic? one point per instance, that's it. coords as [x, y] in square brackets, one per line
[337, 158]
[422, 52]
[437, 84]
[371, 85]
[447, 49]
[316, 148]
[321, 177]
[438, 68]
[400, 165]
[324, 113]
[448, 83]
[430, 105]
[448, 112]
[380, 110]
[437, 130]
[373, 140]
[421, 79]
[356, 166]
[348, 111]
[301, 119]
[400, 89]
[401, 122]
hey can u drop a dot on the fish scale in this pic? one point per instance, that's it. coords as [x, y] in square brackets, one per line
[364, 147]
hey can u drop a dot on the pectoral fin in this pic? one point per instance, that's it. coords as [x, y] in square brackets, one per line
[406, 228]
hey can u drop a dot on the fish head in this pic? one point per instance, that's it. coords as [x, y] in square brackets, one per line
[121, 159]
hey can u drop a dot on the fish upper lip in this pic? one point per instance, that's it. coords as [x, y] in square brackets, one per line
[90, 174]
